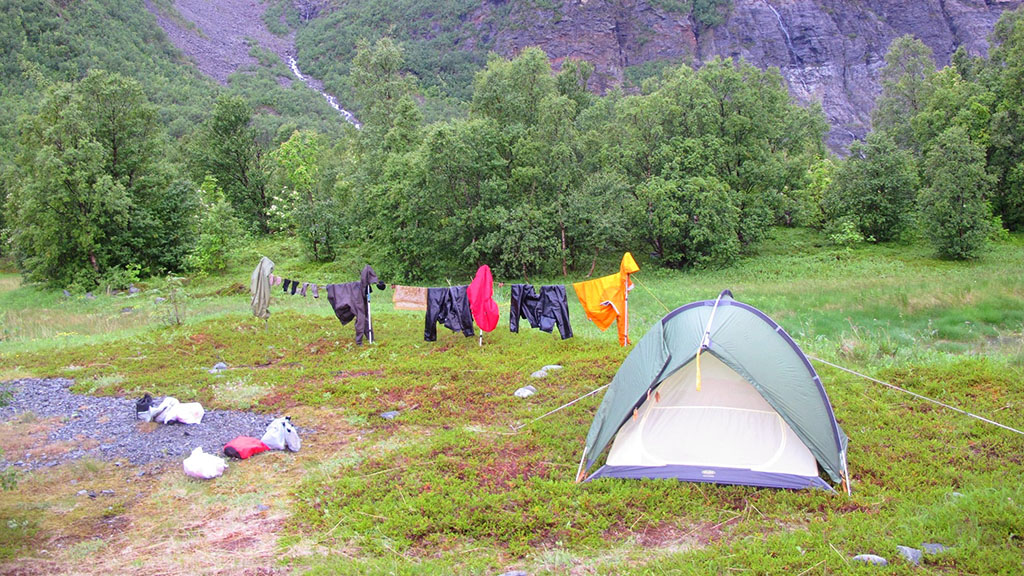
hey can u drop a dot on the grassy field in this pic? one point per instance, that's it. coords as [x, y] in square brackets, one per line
[451, 486]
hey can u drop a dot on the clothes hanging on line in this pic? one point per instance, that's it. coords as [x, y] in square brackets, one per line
[604, 299]
[449, 306]
[349, 301]
[290, 286]
[546, 310]
[481, 299]
[259, 286]
[409, 297]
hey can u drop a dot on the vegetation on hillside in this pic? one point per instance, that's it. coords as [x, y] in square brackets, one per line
[539, 176]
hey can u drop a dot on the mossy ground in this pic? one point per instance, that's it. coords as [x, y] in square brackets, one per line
[453, 486]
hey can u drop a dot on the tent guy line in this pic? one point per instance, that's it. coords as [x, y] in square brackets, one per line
[563, 406]
[916, 395]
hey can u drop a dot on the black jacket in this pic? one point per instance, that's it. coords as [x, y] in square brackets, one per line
[349, 301]
[450, 306]
[545, 310]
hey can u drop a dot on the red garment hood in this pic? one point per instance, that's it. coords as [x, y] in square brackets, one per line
[481, 299]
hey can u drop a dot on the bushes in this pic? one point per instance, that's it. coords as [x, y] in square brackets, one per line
[956, 216]
[874, 189]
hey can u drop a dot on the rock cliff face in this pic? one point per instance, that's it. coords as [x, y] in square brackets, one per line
[829, 51]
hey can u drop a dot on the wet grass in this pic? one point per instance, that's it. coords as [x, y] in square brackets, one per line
[453, 486]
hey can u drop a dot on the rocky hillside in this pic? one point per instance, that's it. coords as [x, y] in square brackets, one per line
[829, 51]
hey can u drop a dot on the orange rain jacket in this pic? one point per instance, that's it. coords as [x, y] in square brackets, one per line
[604, 298]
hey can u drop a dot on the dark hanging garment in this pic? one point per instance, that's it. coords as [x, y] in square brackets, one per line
[349, 301]
[544, 311]
[449, 306]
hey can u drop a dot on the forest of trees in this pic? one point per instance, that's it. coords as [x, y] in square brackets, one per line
[103, 181]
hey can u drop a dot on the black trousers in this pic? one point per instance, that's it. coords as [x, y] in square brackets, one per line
[545, 310]
[449, 306]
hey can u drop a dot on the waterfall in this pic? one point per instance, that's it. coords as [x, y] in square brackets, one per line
[315, 85]
[793, 58]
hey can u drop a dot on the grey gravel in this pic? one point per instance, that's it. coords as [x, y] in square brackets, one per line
[121, 437]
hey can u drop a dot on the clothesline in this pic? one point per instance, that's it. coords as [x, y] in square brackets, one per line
[604, 300]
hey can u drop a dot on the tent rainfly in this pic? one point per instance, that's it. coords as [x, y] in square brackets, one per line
[718, 392]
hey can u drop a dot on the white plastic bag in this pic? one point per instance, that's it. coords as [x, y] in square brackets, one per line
[280, 434]
[159, 412]
[203, 465]
[170, 410]
[186, 413]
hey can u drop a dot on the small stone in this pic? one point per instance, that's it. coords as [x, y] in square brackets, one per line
[127, 310]
[912, 555]
[133, 290]
[107, 492]
[550, 367]
[933, 548]
[89, 296]
[220, 366]
[262, 507]
[525, 392]
[389, 415]
[539, 374]
[140, 473]
[159, 299]
[66, 294]
[871, 559]
[83, 492]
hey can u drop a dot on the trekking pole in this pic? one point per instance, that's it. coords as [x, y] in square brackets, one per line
[369, 318]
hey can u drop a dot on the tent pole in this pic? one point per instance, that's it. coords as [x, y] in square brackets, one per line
[579, 471]
[625, 315]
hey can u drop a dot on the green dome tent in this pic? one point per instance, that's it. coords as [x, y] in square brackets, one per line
[718, 392]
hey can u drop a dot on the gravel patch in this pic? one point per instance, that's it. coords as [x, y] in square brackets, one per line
[105, 427]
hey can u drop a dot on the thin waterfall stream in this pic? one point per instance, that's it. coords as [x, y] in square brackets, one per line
[793, 58]
[316, 85]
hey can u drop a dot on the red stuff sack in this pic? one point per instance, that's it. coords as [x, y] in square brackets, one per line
[244, 446]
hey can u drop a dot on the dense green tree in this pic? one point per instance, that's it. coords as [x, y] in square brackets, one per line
[1006, 153]
[94, 195]
[906, 85]
[220, 231]
[874, 188]
[311, 210]
[955, 212]
[952, 101]
[510, 91]
[229, 149]
[381, 83]
[689, 222]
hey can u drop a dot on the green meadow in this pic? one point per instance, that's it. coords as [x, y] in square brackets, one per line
[469, 479]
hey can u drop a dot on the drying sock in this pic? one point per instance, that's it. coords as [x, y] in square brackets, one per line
[287, 283]
[316, 291]
[295, 284]
[302, 292]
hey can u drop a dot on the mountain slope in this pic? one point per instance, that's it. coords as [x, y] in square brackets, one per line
[829, 51]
